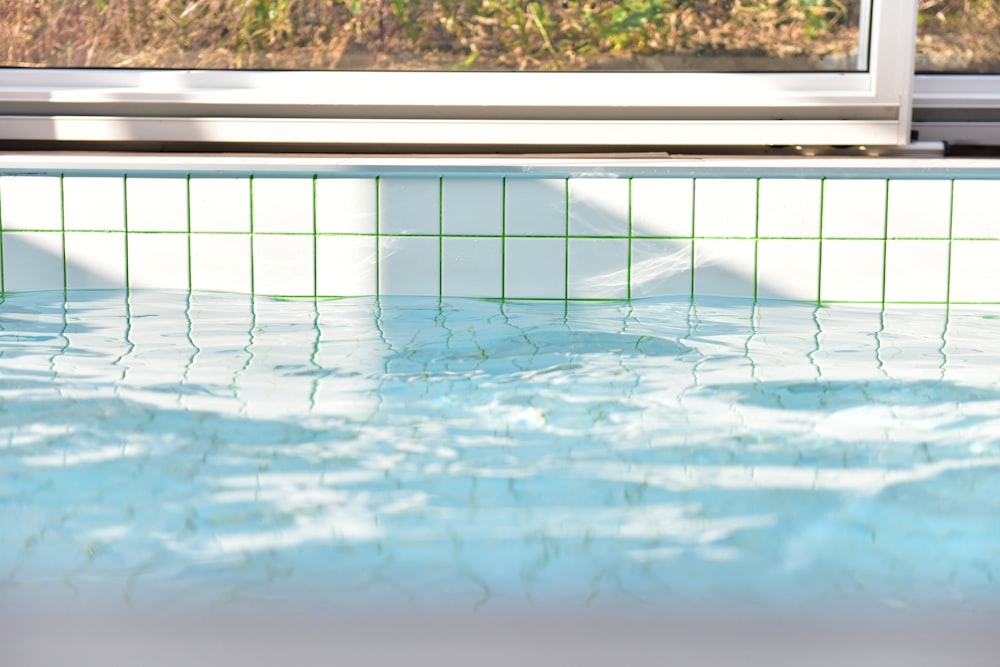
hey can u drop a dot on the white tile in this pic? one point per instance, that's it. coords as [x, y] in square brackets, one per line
[660, 267]
[283, 205]
[910, 348]
[598, 207]
[725, 207]
[158, 261]
[535, 268]
[783, 352]
[94, 203]
[30, 202]
[409, 205]
[975, 271]
[220, 263]
[847, 349]
[597, 269]
[220, 204]
[536, 207]
[95, 260]
[157, 204]
[724, 267]
[345, 265]
[157, 323]
[346, 205]
[662, 206]
[852, 270]
[789, 208]
[854, 209]
[32, 261]
[283, 265]
[916, 271]
[976, 212]
[788, 269]
[266, 398]
[472, 206]
[472, 267]
[101, 334]
[919, 209]
[409, 266]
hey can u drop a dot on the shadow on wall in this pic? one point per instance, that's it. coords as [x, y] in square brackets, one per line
[637, 237]
[36, 261]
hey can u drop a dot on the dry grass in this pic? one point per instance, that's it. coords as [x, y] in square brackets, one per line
[457, 34]
[959, 35]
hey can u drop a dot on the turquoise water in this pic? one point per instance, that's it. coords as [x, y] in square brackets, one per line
[163, 449]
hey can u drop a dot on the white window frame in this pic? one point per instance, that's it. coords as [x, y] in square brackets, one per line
[394, 110]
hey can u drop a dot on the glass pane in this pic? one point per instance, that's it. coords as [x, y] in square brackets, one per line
[568, 35]
[958, 36]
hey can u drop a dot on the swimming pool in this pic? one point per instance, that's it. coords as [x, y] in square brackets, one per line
[728, 389]
[196, 449]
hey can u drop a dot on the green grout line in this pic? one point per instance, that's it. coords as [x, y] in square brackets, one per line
[819, 270]
[125, 222]
[315, 178]
[974, 303]
[694, 182]
[520, 236]
[969, 238]
[910, 303]
[566, 258]
[62, 334]
[817, 344]
[885, 240]
[249, 349]
[378, 237]
[579, 299]
[943, 350]
[346, 297]
[128, 341]
[440, 237]
[628, 268]
[843, 302]
[951, 221]
[756, 234]
[142, 232]
[314, 353]
[912, 238]
[503, 238]
[62, 224]
[187, 193]
[378, 240]
[252, 283]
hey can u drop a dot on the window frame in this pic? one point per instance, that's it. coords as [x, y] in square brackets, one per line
[393, 110]
[957, 108]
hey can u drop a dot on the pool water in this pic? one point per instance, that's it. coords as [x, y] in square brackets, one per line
[166, 449]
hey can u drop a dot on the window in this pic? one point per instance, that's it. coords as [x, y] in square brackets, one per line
[413, 74]
[957, 88]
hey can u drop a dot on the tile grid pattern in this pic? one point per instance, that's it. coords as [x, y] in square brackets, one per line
[827, 240]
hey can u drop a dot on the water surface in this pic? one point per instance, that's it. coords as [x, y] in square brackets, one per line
[164, 449]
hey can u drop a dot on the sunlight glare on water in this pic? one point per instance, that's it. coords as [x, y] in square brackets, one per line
[167, 448]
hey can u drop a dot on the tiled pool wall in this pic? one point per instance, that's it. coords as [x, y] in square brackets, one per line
[827, 237]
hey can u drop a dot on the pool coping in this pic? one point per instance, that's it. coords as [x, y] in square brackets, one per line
[461, 165]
